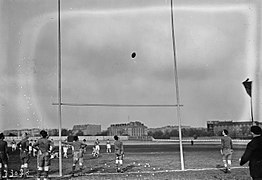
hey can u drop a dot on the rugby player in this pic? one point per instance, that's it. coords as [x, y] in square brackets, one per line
[3, 157]
[119, 152]
[43, 145]
[78, 156]
[24, 154]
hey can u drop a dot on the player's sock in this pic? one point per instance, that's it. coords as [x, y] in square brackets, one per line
[2, 173]
[229, 165]
[225, 163]
[81, 169]
[39, 173]
[73, 169]
[117, 168]
[24, 170]
[121, 164]
[45, 174]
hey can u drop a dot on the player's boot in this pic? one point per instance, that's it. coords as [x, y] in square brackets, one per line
[118, 170]
[81, 170]
[228, 170]
[73, 170]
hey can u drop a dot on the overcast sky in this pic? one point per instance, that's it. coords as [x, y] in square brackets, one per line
[215, 42]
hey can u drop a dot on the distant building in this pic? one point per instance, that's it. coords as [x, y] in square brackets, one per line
[87, 129]
[236, 129]
[211, 126]
[52, 132]
[13, 132]
[35, 132]
[168, 128]
[20, 132]
[133, 129]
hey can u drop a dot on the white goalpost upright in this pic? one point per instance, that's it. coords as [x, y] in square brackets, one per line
[176, 85]
[59, 88]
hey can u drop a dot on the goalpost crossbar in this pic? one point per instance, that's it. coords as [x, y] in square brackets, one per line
[117, 105]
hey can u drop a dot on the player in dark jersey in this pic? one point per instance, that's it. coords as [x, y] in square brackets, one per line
[119, 151]
[43, 157]
[3, 157]
[226, 150]
[253, 154]
[78, 156]
[24, 155]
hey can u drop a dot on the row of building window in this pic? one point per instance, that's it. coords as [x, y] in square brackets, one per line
[135, 129]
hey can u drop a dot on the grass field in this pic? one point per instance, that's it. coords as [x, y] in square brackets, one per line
[159, 161]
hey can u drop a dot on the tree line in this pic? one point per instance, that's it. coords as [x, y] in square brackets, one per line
[188, 132]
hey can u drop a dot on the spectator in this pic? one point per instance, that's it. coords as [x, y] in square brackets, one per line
[253, 154]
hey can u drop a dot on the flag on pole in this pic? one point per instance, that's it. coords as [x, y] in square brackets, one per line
[248, 86]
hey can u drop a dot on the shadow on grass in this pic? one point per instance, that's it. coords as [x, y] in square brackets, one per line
[128, 167]
[95, 170]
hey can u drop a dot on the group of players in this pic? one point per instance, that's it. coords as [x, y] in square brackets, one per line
[44, 148]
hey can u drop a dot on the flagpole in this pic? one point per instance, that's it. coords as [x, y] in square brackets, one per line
[59, 89]
[177, 89]
[252, 117]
